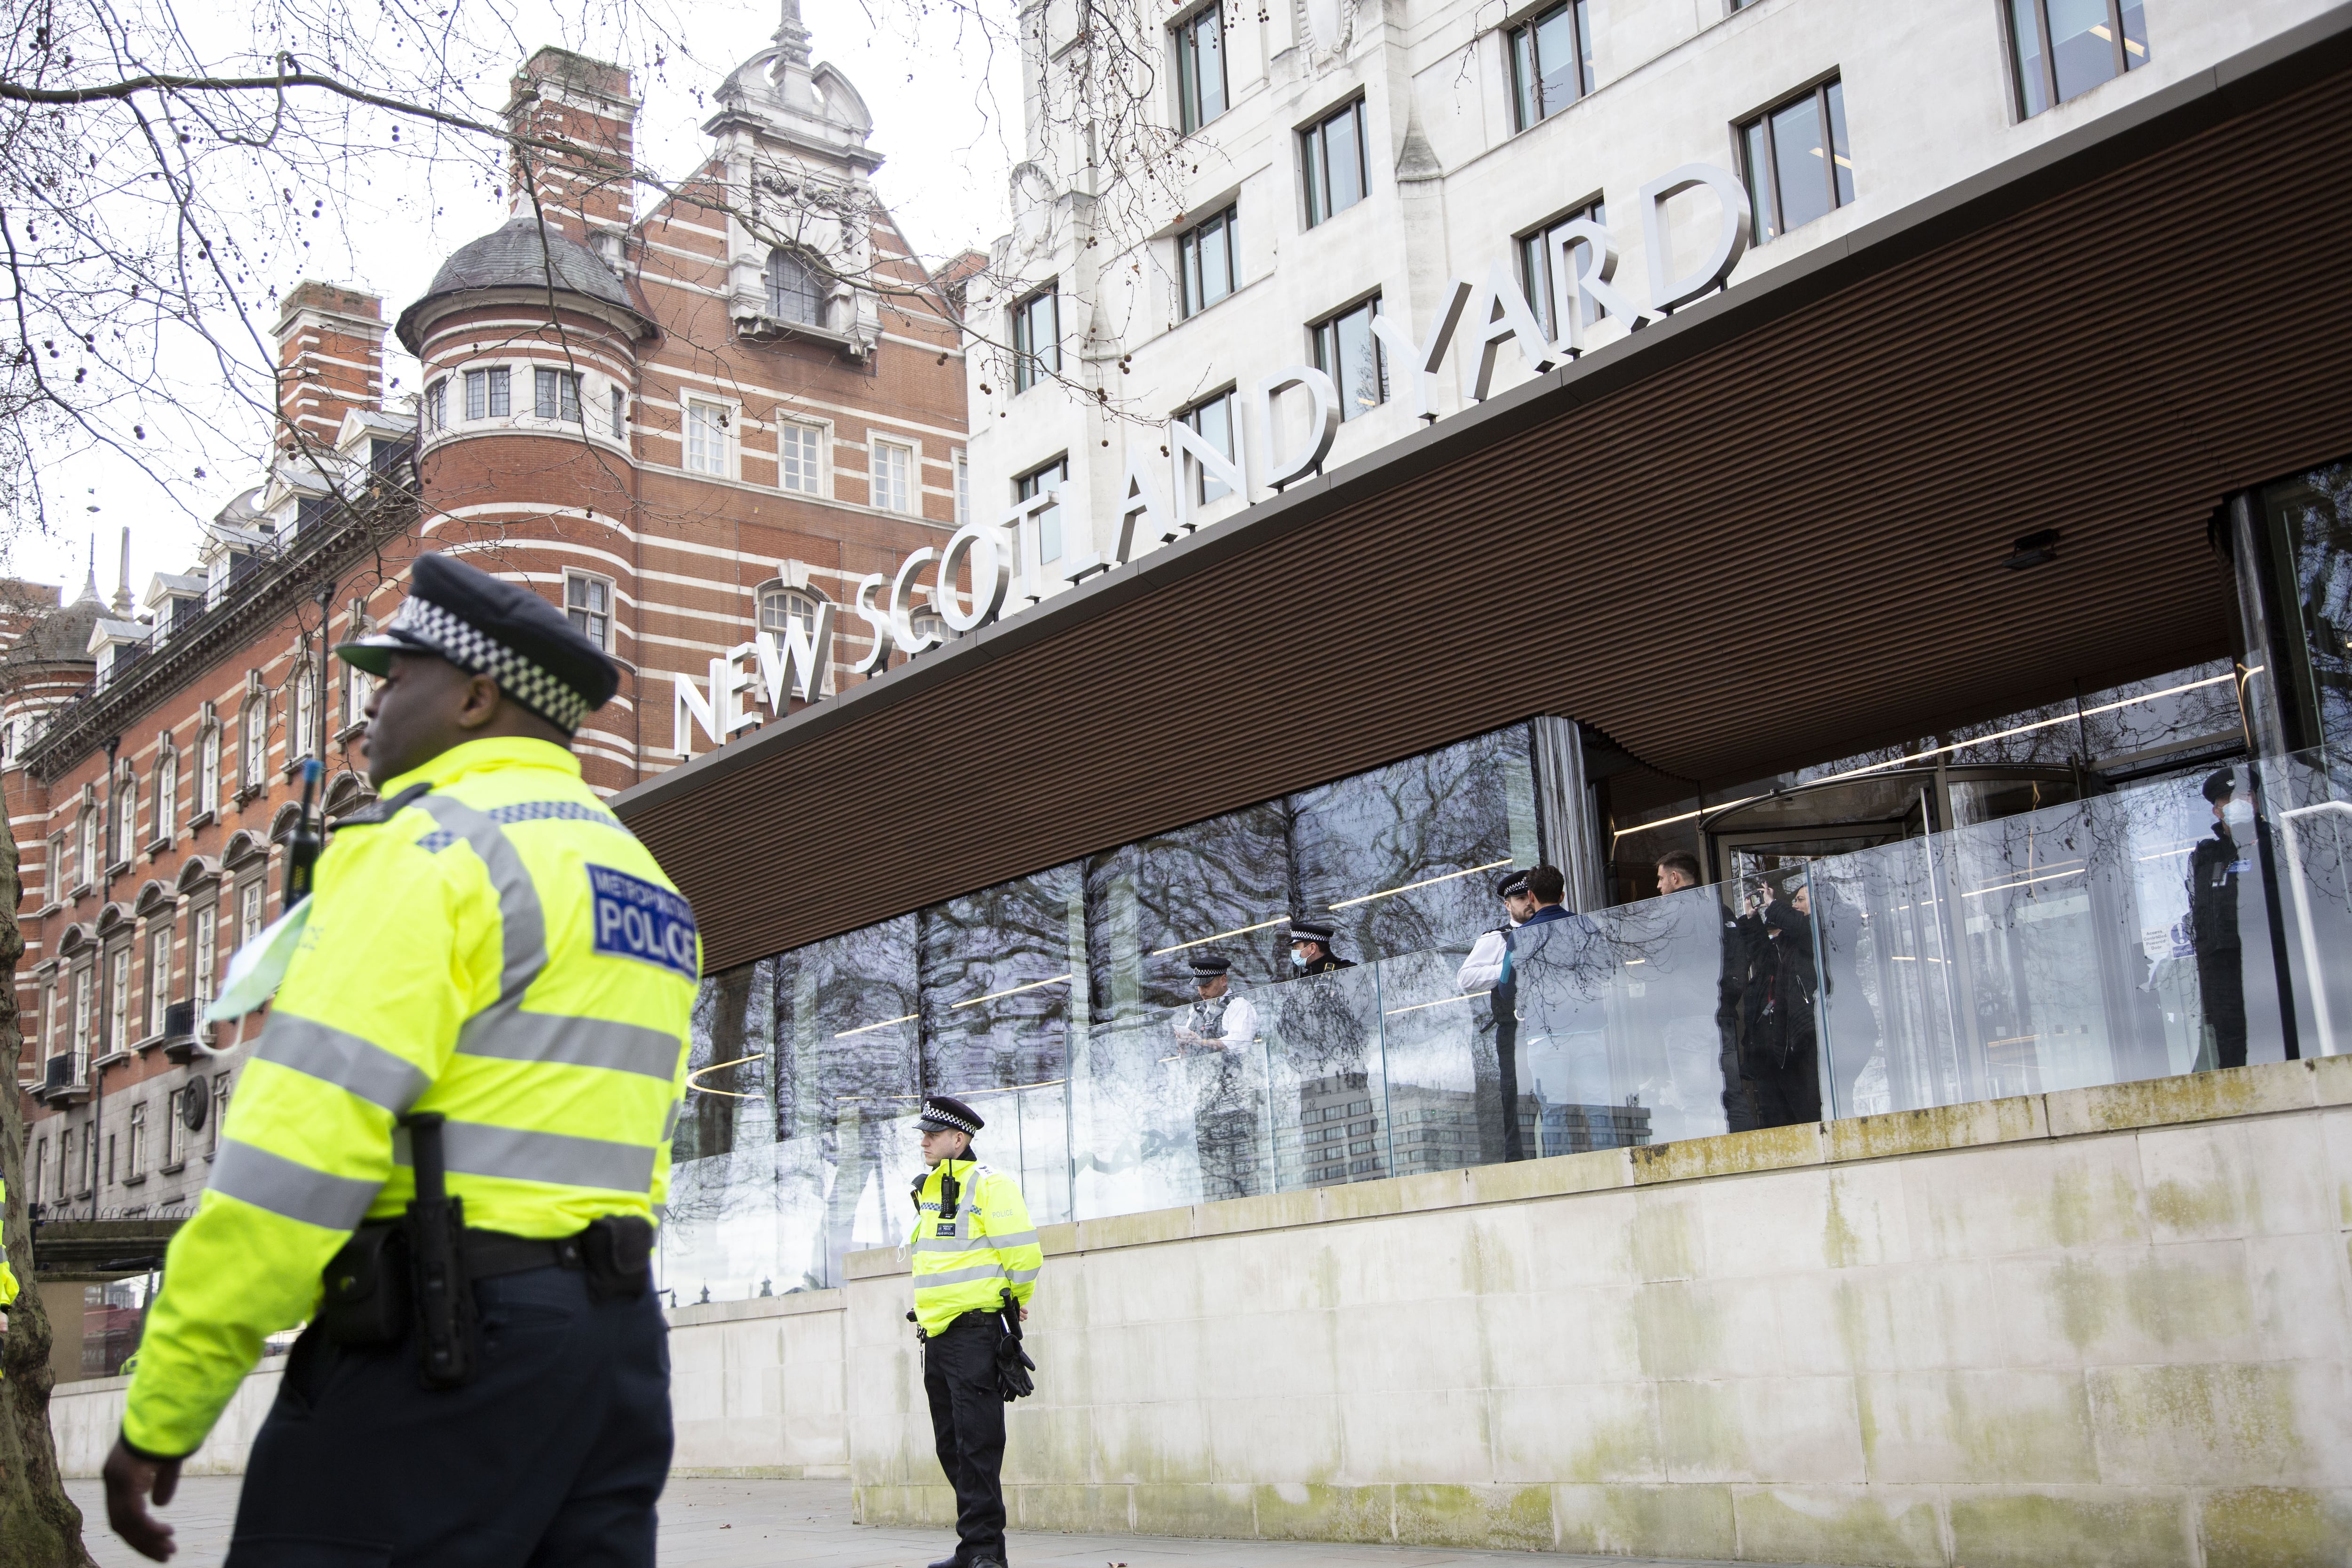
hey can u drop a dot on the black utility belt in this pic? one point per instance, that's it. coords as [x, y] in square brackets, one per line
[372, 1283]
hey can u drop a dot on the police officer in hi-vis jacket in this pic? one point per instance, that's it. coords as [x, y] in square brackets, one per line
[452, 1145]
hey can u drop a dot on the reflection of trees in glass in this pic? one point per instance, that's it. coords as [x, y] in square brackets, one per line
[1174, 888]
[711, 1122]
[2316, 509]
[1015, 935]
[1423, 817]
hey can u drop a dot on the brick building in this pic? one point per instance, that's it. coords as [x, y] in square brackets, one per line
[690, 426]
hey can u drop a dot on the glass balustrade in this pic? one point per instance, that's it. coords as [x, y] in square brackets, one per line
[2125, 936]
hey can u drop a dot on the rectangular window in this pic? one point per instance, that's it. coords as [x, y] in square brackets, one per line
[1207, 262]
[57, 870]
[488, 393]
[620, 414]
[799, 449]
[248, 910]
[208, 757]
[1346, 351]
[159, 978]
[167, 796]
[92, 837]
[1541, 272]
[220, 1108]
[436, 405]
[588, 600]
[1036, 339]
[1551, 62]
[118, 1000]
[890, 468]
[962, 491]
[40, 1172]
[137, 1162]
[555, 394]
[176, 1130]
[2061, 49]
[1200, 67]
[65, 1161]
[1048, 479]
[1337, 171]
[1799, 167]
[204, 949]
[1214, 421]
[306, 713]
[706, 439]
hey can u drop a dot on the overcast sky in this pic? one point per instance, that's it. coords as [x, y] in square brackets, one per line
[937, 123]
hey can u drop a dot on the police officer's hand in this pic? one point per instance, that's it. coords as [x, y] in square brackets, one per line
[130, 1482]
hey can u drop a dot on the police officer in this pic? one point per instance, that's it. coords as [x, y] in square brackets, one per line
[8, 1275]
[493, 967]
[972, 1243]
[1480, 973]
[1484, 965]
[1310, 948]
[2214, 868]
[1216, 1033]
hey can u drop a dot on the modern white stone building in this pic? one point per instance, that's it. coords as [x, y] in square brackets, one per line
[1328, 157]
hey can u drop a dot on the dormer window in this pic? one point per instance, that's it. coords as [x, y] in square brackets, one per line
[792, 290]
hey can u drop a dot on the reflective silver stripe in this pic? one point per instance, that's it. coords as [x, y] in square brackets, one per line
[344, 1060]
[559, 1159]
[670, 1122]
[977, 1242]
[965, 1277]
[287, 1187]
[1023, 1276]
[518, 1036]
[522, 927]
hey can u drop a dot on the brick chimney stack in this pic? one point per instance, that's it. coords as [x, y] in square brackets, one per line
[330, 357]
[577, 103]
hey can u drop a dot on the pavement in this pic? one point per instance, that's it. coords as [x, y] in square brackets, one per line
[743, 1523]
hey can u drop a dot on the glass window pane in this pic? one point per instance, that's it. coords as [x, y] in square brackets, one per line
[502, 402]
[477, 394]
[2082, 45]
[2134, 35]
[1556, 57]
[1760, 183]
[2025, 36]
[1798, 159]
[1839, 149]
[1188, 82]
[1210, 31]
[1318, 190]
[1343, 134]
[1523, 75]
[1535, 278]
[1216, 260]
[1214, 422]
[1360, 382]
[1584, 43]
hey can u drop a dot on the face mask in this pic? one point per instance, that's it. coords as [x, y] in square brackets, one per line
[2238, 814]
[1298, 961]
[257, 969]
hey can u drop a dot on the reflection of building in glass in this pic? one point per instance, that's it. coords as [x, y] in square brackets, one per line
[1351, 1130]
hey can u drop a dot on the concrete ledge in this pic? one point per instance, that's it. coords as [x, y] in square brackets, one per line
[2268, 1088]
[695, 1313]
[762, 1472]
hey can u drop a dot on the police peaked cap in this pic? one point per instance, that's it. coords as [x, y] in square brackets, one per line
[1312, 931]
[503, 630]
[1209, 965]
[2220, 787]
[943, 1113]
[1510, 883]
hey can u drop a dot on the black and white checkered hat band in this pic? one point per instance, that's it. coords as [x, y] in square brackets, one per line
[947, 1118]
[466, 646]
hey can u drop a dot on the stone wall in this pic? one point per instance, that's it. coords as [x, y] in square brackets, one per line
[2102, 1326]
[85, 1416]
[2096, 1326]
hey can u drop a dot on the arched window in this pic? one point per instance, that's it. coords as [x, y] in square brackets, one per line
[792, 288]
[782, 606]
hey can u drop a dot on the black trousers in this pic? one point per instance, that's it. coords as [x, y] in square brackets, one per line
[1783, 1094]
[554, 1455]
[2221, 983]
[967, 1428]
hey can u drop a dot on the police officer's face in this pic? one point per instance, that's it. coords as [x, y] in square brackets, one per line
[1210, 987]
[949, 1144]
[421, 709]
[1520, 905]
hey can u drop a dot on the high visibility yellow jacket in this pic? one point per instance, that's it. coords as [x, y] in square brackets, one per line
[961, 1265]
[500, 950]
[8, 1275]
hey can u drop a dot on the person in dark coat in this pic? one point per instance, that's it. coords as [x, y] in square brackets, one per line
[1310, 948]
[1778, 1065]
[2214, 868]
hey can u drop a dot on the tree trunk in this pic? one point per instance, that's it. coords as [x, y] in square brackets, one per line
[39, 1525]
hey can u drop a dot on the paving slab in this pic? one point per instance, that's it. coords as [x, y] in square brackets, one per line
[756, 1524]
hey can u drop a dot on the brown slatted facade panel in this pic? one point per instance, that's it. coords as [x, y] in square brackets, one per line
[1781, 548]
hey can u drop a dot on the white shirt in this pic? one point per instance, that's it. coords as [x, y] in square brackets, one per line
[1484, 965]
[1240, 1023]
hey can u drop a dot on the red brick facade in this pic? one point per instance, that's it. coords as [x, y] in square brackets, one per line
[625, 415]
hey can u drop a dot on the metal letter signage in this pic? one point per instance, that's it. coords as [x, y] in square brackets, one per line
[1005, 557]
